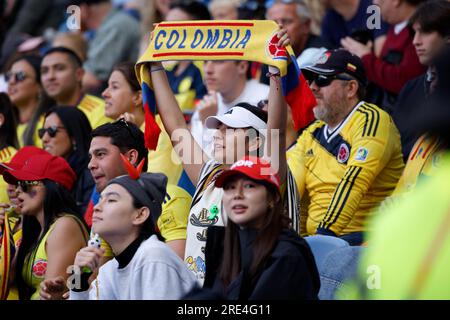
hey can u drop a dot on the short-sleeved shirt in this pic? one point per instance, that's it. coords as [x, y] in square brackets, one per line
[334, 27]
[94, 109]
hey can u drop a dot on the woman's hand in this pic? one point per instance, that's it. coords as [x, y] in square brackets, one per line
[53, 289]
[283, 41]
[89, 257]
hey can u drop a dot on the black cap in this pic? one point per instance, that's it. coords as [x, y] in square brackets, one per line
[149, 190]
[334, 62]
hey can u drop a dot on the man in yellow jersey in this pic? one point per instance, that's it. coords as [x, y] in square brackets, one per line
[61, 76]
[349, 160]
[111, 140]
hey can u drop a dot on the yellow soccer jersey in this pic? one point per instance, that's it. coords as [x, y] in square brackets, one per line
[6, 155]
[347, 172]
[175, 211]
[94, 109]
[423, 159]
[20, 130]
[164, 159]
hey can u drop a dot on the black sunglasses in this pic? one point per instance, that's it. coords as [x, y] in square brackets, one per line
[27, 185]
[52, 131]
[324, 81]
[18, 76]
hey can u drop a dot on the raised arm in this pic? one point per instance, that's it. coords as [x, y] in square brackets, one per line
[175, 125]
[277, 109]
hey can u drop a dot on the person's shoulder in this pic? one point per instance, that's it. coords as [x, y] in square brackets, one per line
[67, 225]
[152, 249]
[290, 244]
[7, 153]
[90, 102]
[175, 192]
[369, 118]
[315, 125]
[119, 18]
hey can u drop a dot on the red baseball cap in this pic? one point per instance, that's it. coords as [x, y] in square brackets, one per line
[254, 168]
[43, 166]
[20, 157]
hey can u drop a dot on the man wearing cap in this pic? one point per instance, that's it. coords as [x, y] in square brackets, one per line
[350, 159]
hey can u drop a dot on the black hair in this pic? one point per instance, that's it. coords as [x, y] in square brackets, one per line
[45, 102]
[251, 134]
[126, 136]
[362, 87]
[148, 227]
[87, 2]
[260, 113]
[79, 129]
[433, 16]
[57, 202]
[8, 133]
[197, 10]
[34, 61]
[76, 60]
[415, 2]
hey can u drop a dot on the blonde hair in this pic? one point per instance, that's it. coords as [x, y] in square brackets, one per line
[73, 41]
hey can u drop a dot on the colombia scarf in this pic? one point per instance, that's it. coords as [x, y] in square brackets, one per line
[223, 40]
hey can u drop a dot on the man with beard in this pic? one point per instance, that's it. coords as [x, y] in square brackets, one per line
[349, 160]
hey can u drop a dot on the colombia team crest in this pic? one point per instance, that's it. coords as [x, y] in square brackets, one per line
[40, 268]
[276, 52]
[343, 153]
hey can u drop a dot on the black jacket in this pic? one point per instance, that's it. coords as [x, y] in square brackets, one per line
[290, 272]
[411, 102]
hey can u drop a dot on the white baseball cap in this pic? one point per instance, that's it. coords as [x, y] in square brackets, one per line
[243, 115]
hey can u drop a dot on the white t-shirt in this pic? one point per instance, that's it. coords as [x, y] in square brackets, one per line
[253, 93]
[154, 273]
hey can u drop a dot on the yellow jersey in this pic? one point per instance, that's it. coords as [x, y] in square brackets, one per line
[35, 264]
[20, 130]
[424, 158]
[6, 155]
[343, 174]
[94, 109]
[165, 160]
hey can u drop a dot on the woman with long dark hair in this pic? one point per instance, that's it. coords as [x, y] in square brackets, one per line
[67, 133]
[8, 138]
[262, 257]
[29, 99]
[51, 231]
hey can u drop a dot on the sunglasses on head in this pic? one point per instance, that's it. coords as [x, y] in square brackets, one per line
[52, 131]
[323, 80]
[18, 76]
[125, 123]
[27, 185]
